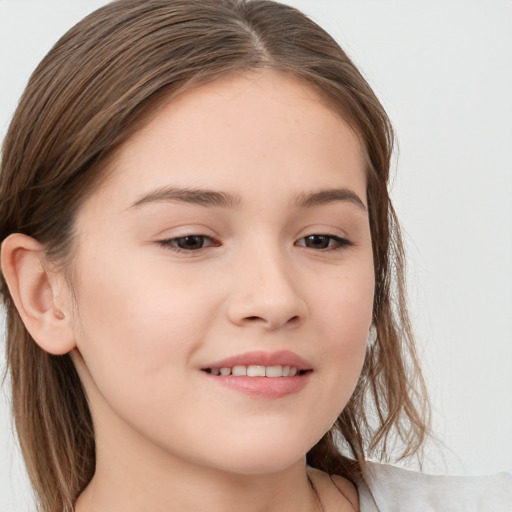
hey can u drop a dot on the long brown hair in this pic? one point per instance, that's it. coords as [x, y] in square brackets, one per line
[99, 84]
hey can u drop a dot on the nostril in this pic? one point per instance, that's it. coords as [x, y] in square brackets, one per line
[253, 318]
[294, 320]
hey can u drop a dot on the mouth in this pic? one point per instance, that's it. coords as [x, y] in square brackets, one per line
[254, 370]
[261, 374]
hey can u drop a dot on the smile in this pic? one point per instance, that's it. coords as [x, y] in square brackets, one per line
[256, 371]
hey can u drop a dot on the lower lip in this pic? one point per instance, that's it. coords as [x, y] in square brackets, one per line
[263, 387]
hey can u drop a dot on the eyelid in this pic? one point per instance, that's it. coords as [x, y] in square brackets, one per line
[168, 243]
[341, 242]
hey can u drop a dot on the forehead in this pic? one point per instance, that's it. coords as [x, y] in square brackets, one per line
[250, 127]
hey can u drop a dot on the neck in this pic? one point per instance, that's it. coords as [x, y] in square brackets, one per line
[194, 488]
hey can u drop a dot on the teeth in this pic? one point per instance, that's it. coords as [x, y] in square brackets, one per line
[239, 370]
[254, 370]
[274, 371]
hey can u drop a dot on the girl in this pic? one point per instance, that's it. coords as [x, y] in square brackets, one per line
[203, 273]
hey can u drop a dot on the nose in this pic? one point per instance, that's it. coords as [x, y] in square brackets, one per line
[265, 293]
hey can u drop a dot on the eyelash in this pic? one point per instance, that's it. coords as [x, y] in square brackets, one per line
[340, 242]
[171, 243]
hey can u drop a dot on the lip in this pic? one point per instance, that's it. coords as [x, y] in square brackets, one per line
[263, 358]
[263, 387]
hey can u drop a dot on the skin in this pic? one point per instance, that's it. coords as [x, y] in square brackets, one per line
[144, 319]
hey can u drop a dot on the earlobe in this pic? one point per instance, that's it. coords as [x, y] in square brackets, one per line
[33, 288]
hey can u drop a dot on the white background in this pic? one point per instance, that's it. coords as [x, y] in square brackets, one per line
[443, 70]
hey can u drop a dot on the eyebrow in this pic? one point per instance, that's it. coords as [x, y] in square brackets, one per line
[212, 198]
[201, 197]
[330, 195]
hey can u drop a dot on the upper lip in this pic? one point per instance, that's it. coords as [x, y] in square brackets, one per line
[263, 358]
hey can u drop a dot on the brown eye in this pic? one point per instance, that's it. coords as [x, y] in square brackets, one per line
[188, 243]
[317, 241]
[320, 242]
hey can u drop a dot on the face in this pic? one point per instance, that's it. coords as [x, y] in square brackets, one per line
[231, 237]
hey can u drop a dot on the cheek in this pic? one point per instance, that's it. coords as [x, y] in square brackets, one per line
[137, 337]
[343, 314]
[345, 303]
[135, 326]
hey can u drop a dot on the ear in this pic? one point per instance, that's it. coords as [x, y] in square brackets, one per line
[35, 291]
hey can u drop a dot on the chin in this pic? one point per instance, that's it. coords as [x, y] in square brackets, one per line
[259, 456]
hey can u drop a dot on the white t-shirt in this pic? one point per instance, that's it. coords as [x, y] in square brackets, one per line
[393, 489]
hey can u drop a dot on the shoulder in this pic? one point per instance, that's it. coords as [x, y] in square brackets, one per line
[389, 488]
